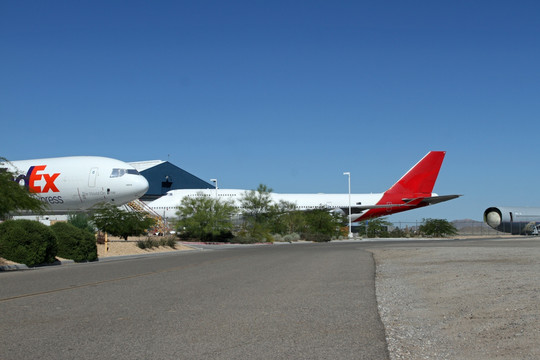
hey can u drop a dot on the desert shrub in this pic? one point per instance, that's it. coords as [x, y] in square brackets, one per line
[75, 243]
[148, 243]
[291, 237]
[142, 244]
[244, 239]
[278, 238]
[169, 241]
[286, 238]
[315, 237]
[27, 242]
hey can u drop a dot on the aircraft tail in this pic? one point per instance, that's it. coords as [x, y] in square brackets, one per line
[412, 191]
[420, 179]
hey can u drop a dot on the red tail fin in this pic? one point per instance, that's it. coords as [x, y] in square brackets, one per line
[413, 190]
[420, 179]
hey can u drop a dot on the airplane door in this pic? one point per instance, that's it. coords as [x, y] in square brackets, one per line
[92, 177]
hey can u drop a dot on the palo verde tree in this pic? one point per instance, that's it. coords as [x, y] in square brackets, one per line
[205, 218]
[258, 212]
[437, 228]
[288, 219]
[122, 223]
[15, 198]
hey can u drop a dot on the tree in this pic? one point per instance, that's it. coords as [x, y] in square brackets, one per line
[437, 228]
[81, 220]
[15, 198]
[205, 218]
[258, 212]
[377, 227]
[257, 203]
[122, 223]
[322, 221]
[288, 220]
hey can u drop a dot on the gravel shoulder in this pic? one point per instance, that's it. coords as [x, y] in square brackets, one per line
[460, 302]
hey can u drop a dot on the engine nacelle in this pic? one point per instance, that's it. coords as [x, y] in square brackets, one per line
[513, 220]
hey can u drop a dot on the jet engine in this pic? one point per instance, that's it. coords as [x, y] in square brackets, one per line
[513, 220]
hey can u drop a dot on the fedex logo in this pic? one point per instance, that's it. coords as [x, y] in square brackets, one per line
[37, 181]
[34, 175]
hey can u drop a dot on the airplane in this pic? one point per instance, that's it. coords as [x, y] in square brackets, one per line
[513, 220]
[77, 183]
[412, 191]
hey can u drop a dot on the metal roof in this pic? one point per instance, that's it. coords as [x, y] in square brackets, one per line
[145, 165]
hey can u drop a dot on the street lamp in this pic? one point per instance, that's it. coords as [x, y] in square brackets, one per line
[215, 183]
[350, 221]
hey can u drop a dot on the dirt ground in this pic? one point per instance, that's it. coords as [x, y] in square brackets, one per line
[460, 303]
[119, 247]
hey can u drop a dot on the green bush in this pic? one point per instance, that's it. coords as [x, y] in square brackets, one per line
[316, 237]
[27, 242]
[222, 236]
[75, 243]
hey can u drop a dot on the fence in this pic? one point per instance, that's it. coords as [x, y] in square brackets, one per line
[464, 227]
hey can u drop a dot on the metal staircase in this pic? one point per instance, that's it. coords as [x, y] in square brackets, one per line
[161, 226]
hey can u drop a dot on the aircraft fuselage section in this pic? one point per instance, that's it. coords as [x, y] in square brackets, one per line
[78, 182]
[513, 220]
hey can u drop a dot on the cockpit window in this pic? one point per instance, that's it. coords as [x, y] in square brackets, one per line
[121, 172]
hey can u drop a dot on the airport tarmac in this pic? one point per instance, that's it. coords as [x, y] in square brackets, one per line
[437, 299]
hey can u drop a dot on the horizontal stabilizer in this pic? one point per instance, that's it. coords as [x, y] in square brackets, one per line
[438, 199]
[414, 202]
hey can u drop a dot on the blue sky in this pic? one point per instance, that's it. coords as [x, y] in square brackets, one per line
[286, 93]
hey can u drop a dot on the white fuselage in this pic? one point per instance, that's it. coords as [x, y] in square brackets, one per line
[167, 205]
[413, 190]
[78, 182]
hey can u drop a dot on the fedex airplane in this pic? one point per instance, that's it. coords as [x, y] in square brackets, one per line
[78, 182]
[413, 190]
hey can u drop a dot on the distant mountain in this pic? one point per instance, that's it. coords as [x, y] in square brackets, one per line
[473, 227]
[459, 224]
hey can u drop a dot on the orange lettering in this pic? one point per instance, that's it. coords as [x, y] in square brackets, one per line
[35, 177]
[49, 179]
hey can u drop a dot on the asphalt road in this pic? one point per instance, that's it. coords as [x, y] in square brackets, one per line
[306, 301]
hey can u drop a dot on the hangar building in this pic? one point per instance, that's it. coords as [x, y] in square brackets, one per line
[163, 176]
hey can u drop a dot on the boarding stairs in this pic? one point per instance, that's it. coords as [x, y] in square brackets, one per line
[140, 207]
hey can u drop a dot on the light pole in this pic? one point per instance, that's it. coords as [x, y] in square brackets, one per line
[215, 183]
[350, 221]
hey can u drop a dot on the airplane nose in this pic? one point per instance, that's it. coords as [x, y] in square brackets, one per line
[141, 185]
